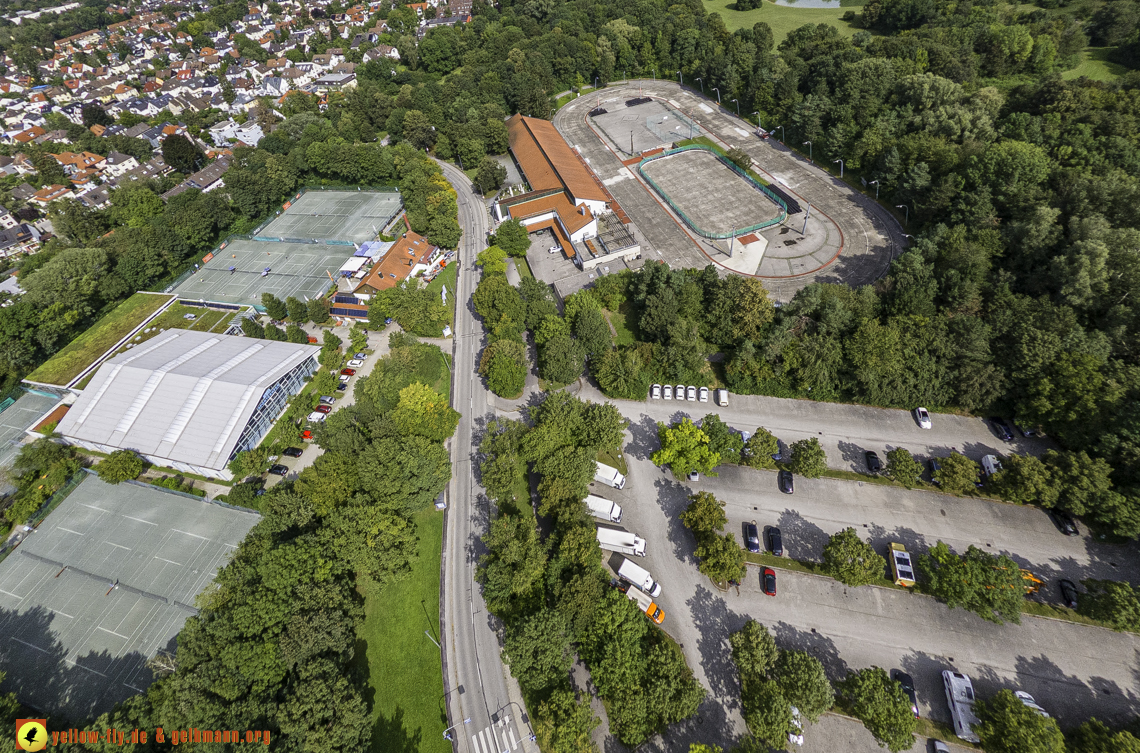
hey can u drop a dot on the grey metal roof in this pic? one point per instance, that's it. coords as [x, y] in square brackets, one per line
[182, 395]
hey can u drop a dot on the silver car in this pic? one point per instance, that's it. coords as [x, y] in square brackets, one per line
[704, 394]
[691, 393]
[680, 392]
[655, 392]
[668, 392]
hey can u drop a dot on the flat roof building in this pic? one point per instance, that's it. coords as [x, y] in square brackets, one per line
[189, 400]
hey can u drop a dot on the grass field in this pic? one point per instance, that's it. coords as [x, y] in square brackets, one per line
[447, 277]
[782, 19]
[205, 320]
[405, 674]
[83, 350]
[1096, 65]
[622, 328]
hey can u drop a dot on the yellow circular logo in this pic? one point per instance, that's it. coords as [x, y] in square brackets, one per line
[32, 736]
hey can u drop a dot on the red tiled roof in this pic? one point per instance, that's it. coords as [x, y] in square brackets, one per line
[394, 267]
[548, 161]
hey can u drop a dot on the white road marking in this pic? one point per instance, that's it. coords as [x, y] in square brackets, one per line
[705, 107]
[77, 533]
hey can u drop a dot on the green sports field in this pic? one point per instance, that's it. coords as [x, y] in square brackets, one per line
[782, 19]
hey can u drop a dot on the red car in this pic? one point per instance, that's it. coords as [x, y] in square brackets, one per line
[768, 581]
[324, 409]
[348, 372]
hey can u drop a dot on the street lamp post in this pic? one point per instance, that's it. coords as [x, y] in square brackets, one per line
[447, 732]
[906, 217]
[737, 101]
[808, 145]
[595, 82]
[876, 189]
[680, 79]
[840, 161]
[702, 86]
[781, 132]
[758, 123]
[717, 90]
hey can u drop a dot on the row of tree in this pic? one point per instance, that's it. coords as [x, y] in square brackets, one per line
[552, 593]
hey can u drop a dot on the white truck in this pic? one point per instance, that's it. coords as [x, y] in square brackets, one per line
[622, 542]
[603, 509]
[609, 476]
[645, 604]
[637, 575]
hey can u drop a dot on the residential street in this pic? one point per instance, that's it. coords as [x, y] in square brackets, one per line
[478, 684]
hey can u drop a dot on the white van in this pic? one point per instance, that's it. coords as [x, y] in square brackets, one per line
[639, 576]
[990, 465]
[722, 398]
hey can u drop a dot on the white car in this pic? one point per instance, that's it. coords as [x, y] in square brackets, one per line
[1028, 701]
[668, 392]
[796, 736]
[355, 363]
[655, 392]
[555, 249]
[679, 391]
[923, 417]
[745, 435]
[704, 394]
[691, 393]
[316, 417]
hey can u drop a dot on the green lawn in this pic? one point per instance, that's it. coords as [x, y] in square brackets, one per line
[405, 674]
[447, 277]
[781, 19]
[624, 333]
[205, 320]
[1096, 65]
[83, 350]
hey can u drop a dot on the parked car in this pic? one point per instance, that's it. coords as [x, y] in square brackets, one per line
[348, 372]
[694, 476]
[355, 363]
[752, 537]
[939, 747]
[327, 399]
[292, 452]
[361, 355]
[934, 466]
[554, 249]
[691, 393]
[278, 470]
[326, 409]
[703, 394]
[315, 416]
[342, 387]
[1001, 429]
[679, 391]
[923, 417]
[768, 581]
[873, 463]
[785, 482]
[1030, 702]
[796, 733]
[906, 682]
[1068, 593]
[655, 392]
[775, 541]
[1064, 522]
[668, 392]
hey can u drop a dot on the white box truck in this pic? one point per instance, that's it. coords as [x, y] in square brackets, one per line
[645, 604]
[609, 476]
[639, 576]
[603, 509]
[622, 542]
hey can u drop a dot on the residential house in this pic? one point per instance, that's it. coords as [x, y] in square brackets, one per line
[207, 179]
[45, 196]
[19, 239]
[409, 256]
[118, 164]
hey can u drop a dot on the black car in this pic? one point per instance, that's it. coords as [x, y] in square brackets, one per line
[278, 469]
[775, 542]
[907, 684]
[1001, 429]
[934, 467]
[292, 452]
[1068, 593]
[751, 537]
[1064, 522]
[873, 464]
[342, 387]
[784, 479]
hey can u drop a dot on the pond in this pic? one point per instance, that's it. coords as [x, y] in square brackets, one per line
[808, 3]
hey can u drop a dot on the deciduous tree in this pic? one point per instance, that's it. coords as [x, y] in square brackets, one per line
[957, 474]
[902, 467]
[879, 702]
[705, 515]
[852, 561]
[989, 585]
[684, 448]
[803, 681]
[119, 466]
[808, 458]
[1006, 725]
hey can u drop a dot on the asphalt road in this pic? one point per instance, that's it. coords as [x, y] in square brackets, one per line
[483, 700]
[1074, 671]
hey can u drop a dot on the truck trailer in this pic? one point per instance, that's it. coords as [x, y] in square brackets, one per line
[623, 542]
[645, 604]
[609, 476]
[603, 509]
